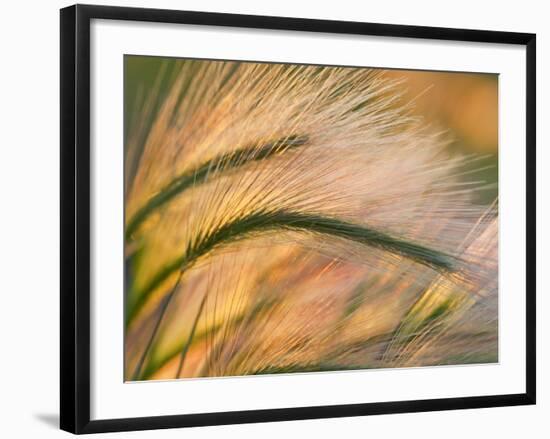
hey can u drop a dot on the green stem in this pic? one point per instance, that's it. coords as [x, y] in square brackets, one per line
[137, 371]
[199, 175]
[191, 335]
[243, 227]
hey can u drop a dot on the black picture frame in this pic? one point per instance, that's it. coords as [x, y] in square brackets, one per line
[75, 217]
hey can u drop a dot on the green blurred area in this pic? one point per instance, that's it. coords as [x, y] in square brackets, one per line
[141, 75]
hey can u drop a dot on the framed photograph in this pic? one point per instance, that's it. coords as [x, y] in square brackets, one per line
[267, 219]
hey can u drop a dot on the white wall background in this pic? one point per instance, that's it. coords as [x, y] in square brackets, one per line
[29, 200]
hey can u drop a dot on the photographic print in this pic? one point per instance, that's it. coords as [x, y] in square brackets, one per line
[284, 218]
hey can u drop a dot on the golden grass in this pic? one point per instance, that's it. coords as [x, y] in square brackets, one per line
[297, 218]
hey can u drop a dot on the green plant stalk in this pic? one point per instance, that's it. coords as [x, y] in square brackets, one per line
[215, 166]
[137, 371]
[280, 220]
[191, 335]
[152, 367]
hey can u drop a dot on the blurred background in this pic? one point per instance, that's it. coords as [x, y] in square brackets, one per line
[465, 105]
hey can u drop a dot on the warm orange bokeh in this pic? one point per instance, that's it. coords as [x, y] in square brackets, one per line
[465, 104]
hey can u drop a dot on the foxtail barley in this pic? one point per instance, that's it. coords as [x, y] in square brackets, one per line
[286, 218]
